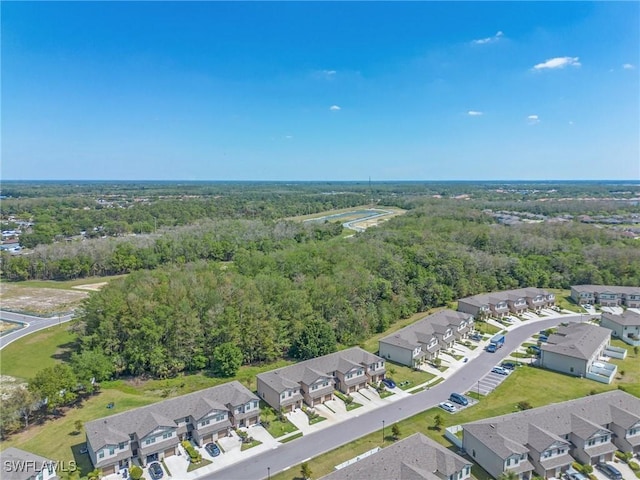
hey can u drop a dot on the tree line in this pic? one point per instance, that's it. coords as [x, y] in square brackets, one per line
[303, 298]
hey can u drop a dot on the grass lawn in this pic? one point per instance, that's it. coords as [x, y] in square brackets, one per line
[401, 373]
[58, 440]
[23, 358]
[522, 385]
[194, 466]
[352, 406]
[247, 446]
[486, 328]
[276, 428]
[292, 437]
[564, 300]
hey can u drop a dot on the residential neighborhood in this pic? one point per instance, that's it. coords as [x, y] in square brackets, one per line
[547, 440]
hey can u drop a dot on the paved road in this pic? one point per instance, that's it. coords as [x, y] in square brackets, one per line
[302, 449]
[33, 325]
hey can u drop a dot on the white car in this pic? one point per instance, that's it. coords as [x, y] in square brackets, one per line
[449, 407]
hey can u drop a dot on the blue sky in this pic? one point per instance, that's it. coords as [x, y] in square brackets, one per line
[320, 91]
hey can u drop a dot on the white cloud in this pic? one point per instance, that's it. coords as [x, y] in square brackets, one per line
[533, 119]
[474, 113]
[288, 137]
[558, 62]
[329, 73]
[628, 66]
[334, 108]
[482, 41]
[570, 122]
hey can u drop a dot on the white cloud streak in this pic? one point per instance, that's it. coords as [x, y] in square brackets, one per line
[483, 41]
[628, 66]
[334, 108]
[533, 119]
[558, 62]
[474, 113]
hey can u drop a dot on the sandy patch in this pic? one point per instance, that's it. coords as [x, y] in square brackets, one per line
[39, 301]
[94, 287]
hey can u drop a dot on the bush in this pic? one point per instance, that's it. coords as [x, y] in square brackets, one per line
[194, 455]
[135, 472]
[634, 466]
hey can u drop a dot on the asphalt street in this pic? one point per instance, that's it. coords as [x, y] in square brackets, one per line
[33, 324]
[303, 449]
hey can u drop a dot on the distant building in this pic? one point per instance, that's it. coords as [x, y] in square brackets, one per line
[500, 304]
[606, 295]
[625, 326]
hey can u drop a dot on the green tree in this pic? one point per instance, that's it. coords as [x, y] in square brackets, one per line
[56, 384]
[92, 364]
[135, 472]
[635, 350]
[438, 421]
[227, 359]
[77, 425]
[395, 431]
[305, 471]
[508, 475]
[316, 338]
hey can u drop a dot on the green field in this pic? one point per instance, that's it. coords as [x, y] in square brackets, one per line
[23, 358]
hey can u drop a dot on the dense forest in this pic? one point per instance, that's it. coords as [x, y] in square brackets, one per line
[173, 318]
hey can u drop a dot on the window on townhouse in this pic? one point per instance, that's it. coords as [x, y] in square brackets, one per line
[290, 393]
[186, 419]
[255, 404]
[166, 435]
[101, 454]
[508, 462]
[149, 441]
[284, 394]
[122, 445]
[591, 442]
[604, 439]
[112, 450]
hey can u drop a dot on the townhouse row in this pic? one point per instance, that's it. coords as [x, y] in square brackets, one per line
[313, 381]
[547, 440]
[606, 295]
[501, 304]
[423, 340]
[154, 432]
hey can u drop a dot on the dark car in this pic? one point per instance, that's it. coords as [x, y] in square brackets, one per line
[535, 349]
[612, 472]
[155, 470]
[389, 383]
[459, 399]
[212, 449]
[508, 365]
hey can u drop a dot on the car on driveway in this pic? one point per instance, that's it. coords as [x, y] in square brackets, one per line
[609, 471]
[460, 399]
[500, 370]
[212, 449]
[508, 365]
[449, 407]
[155, 470]
[575, 476]
[389, 383]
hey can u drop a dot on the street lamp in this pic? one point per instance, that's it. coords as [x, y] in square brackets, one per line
[382, 431]
[478, 389]
[268, 473]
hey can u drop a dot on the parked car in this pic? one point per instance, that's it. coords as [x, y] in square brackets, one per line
[609, 470]
[460, 399]
[449, 407]
[155, 470]
[576, 476]
[543, 338]
[389, 383]
[212, 449]
[465, 360]
[535, 349]
[508, 365]
[500, 370]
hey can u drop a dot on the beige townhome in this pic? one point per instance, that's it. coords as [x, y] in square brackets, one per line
[500, 304]
[153, 432]
[606, 295]
[547, 440]
[421, 341]
[582, 350]
[313, 381]
[625, 326]
[415, 458]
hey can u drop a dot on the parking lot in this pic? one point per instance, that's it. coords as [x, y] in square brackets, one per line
[489, 383]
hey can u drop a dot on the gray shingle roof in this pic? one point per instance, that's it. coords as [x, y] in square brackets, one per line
[415, 458]
[583, 415]
[579, 340]
[10, 458]
[628, 318]
[607, 289]
[497, 297]
[289, 377]
[141, 421]
[422, 331]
